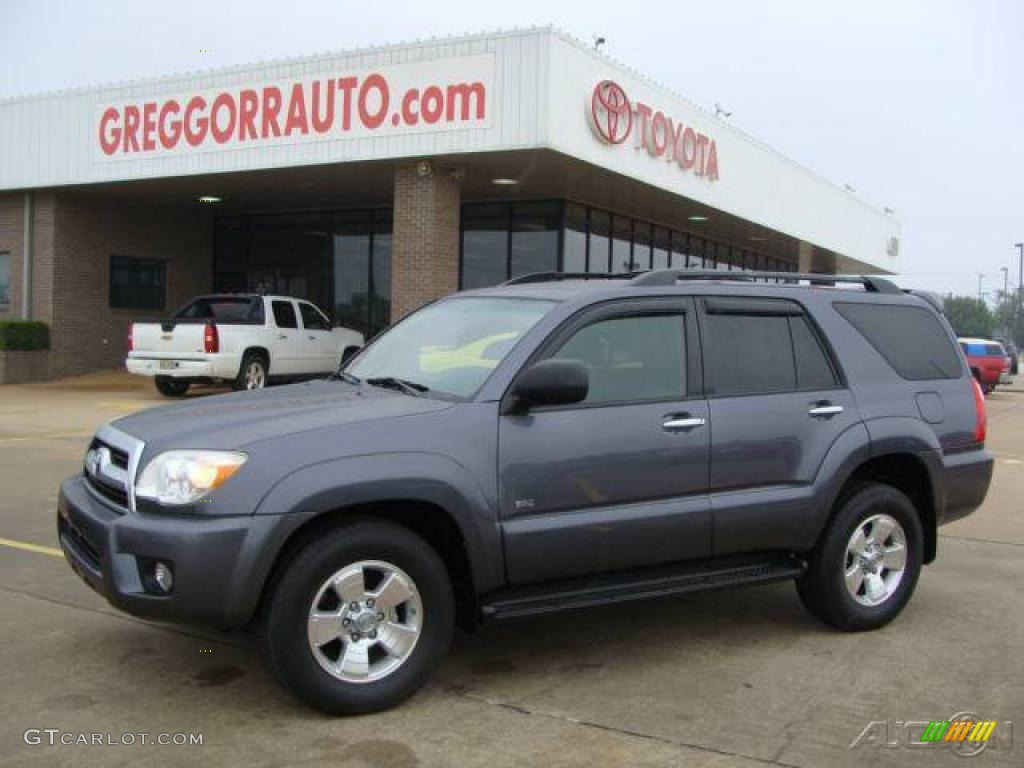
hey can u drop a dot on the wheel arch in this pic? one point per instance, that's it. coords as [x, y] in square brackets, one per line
[426, 519]
[259, 350]
[428, 493]
[908, 473]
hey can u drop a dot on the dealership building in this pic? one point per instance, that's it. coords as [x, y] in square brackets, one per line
[375, 180]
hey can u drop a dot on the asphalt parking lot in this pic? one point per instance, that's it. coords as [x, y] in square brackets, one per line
[731, 678]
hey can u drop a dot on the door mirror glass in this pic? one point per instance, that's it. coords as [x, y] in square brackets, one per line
[551, 382]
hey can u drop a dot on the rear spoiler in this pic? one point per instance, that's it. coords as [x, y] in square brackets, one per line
[930, 296]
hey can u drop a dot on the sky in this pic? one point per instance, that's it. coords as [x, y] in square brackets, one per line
[918, 105]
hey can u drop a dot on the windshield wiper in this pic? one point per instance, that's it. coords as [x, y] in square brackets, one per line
[340, 375]
[402, 385]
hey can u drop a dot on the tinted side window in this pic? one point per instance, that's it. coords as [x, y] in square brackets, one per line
[748, 354]
[813, 369]
[312, 319]
[284, 315]
[911, 339]
[634, 358]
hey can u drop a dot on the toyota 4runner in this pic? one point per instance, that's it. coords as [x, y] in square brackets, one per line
[552, 443]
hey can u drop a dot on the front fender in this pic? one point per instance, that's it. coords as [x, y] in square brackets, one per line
[330, 485]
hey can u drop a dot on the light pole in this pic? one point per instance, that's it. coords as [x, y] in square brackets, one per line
[1020, 275]
[981, 276]
[1006, 274]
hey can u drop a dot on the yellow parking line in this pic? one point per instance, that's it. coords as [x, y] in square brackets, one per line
[37, 548]
[53, 436]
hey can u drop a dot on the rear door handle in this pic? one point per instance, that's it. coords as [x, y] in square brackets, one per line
[825, 410]
[682, 422]
[281, 337]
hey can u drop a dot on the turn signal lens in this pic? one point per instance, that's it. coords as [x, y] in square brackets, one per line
[131, 336]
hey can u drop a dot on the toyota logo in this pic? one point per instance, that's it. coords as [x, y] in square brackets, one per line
[611, 112]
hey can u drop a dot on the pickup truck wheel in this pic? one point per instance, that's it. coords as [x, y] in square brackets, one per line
[252, 374]
[169, 387]
[866, 565]
[359, 618]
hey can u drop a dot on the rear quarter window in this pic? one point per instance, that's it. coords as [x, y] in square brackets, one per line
[911, 339]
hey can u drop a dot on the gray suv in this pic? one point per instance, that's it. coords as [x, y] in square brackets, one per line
[556, 442]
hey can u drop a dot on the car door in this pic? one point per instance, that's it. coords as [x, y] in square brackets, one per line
[286, 355]
[619, 480]
[778, 404]
[320, 346]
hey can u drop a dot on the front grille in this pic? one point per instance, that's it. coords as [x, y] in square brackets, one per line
[118, 457]
[109, 464]
[109, 491]
[81, 543]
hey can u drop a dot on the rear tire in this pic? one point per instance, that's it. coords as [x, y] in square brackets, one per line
[252, 373]
[169, 387]
[866, 565]
[341, 641]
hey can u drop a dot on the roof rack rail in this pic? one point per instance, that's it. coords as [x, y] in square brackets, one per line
[661, 277]
[551, 277]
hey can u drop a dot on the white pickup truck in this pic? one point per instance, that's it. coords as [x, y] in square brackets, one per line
[244, 339]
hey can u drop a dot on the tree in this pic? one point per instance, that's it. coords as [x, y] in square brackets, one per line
[1009, 319]
[969, 317]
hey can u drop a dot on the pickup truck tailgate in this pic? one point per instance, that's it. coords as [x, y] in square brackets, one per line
[151, 340]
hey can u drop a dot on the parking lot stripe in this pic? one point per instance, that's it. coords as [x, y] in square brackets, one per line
[54, 436]
[37, 548]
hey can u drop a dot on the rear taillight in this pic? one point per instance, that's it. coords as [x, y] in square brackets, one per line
[980, 420]
[131, 336]
[211, 339]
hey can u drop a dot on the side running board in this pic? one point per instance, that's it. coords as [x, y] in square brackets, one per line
[640, 584]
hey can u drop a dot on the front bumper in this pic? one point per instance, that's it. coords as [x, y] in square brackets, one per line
[966, 478]
[1006, 378]
[219, 563]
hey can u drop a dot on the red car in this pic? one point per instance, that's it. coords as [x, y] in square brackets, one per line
[987, 360]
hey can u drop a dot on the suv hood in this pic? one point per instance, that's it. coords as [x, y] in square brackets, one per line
[236, 420]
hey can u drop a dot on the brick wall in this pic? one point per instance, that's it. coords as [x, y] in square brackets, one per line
[87, 335]
[425, 258]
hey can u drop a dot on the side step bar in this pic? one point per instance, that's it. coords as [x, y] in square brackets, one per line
[638, 585]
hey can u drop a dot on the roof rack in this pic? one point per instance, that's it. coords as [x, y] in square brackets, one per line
[663, 277]
[552, 277]
[658, 277]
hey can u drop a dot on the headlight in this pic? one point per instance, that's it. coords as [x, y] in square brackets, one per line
[182, 477]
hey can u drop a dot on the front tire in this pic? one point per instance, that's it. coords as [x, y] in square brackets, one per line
[359, 618]
[866, 565]
[169, 387]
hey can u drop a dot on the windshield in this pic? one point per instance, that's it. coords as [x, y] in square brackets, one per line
[452, 346]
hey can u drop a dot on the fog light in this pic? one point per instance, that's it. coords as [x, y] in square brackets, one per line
[163, 577]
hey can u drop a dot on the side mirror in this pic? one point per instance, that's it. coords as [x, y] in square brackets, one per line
[550, 382]
[350, 351]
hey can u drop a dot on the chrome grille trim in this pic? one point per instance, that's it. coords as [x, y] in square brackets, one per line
[111, 474]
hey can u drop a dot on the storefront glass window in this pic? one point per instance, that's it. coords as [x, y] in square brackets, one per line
[5, 279]
[660, 254]
[352, 270]
[574, 239]
[534, 245]
[484, 244]
[622, 246]
[641, 246]
[680, 244]
[600, 230]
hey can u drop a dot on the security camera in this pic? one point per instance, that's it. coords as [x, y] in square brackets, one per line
[424, 168]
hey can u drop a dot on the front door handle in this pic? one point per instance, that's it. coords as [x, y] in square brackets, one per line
[311, 338]
[281, 337]
[682, 422]
[825, 410]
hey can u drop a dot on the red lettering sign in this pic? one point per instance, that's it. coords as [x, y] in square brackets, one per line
[614, 118]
